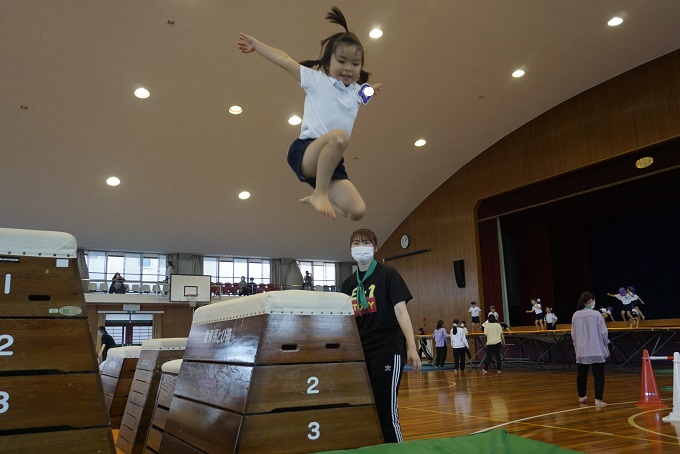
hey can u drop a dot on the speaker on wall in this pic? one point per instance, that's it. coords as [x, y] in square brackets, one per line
[459, 272]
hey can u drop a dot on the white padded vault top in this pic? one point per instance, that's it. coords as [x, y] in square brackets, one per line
[172, 367]
[37, 243]
[124, 352]
[170, 343]
[292, 302]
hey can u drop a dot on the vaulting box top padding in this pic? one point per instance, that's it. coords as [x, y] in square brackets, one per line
[172, 367]
[37, 243]
[124, 352]
[170, 343]
[289, 302]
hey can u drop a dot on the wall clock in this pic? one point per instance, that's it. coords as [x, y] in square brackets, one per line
[405, 241]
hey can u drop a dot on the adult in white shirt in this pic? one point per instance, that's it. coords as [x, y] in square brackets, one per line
[459, 344]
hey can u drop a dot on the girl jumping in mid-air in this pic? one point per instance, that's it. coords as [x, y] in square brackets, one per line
[334, 93]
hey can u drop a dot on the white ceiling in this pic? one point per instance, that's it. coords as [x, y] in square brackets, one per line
[182, 159]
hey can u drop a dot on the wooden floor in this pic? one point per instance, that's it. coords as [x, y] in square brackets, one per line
[541, 405]
[536, 404]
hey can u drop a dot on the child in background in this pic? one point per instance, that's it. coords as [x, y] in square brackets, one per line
[626, 300]
[474, 312]
[634, 318]
[492, 311]
[550, 319]
[467, 350]
[634, 298]
[440, 344]
[423, 346]
[540, 316]
[459, 344]
[607, 313]
[334, 92]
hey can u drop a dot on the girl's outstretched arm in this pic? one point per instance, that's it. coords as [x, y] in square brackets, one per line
[248, 44]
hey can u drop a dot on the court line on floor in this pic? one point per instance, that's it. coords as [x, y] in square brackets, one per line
[632, 422]
[546, 414]
[523, 421]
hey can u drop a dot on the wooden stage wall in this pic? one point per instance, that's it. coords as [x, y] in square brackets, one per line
[634, 110]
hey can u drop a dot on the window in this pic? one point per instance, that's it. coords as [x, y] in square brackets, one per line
[228, 270]
[141, 333]
[130, 329]
[135, 267]
[323, 273]
[117, 333]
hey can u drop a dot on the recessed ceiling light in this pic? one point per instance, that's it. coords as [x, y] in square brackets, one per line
[244, 195]
[142, 93]
[645, 162]
[295, 120]
[614, 21]
[235, 110]
[375, 33]
[420, 142]
[518, 73]
[113, 181]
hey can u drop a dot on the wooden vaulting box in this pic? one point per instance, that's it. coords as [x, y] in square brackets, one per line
[142, 398]
[51, 397]
[278, 372]
[117, 374]
[166, 389]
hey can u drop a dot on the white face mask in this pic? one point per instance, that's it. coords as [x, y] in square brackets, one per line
[363, 254]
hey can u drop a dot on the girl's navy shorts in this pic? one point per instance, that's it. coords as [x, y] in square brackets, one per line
[295, 154]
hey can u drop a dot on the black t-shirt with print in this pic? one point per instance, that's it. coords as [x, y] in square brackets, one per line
[378, 325]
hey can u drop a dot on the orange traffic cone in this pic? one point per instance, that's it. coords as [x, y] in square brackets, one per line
[649, 393]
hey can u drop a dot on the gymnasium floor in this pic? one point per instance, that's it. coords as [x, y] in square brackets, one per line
[536, 404]
[541, 405]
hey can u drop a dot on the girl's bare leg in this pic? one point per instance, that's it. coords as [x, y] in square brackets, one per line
[319, 161]
[346, 199]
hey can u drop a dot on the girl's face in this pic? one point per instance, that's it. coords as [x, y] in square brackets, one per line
[346, 64]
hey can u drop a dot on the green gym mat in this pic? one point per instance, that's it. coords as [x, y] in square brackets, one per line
[494, 441]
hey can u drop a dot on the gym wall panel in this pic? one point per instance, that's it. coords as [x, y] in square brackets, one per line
[634, 110]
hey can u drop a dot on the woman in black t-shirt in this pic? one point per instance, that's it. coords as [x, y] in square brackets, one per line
[379, 296]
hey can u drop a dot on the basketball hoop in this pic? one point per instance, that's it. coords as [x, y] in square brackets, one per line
[191, 298]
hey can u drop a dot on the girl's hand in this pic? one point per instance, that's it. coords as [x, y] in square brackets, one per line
[246, 44]
[376, 88]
